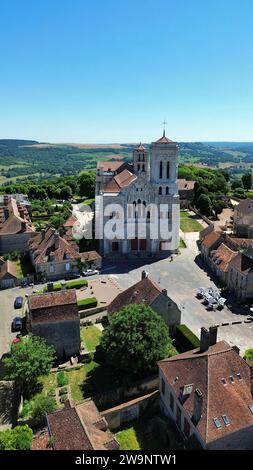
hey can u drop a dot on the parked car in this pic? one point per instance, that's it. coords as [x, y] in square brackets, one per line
[17, 324]
[90, 272]
[200, 293]
[18, 302]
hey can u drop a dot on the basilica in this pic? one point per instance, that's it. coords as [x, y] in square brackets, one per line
[145, 189]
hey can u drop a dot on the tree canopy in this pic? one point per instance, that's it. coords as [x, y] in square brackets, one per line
[29, 359]
[18, 438]
[135, 340]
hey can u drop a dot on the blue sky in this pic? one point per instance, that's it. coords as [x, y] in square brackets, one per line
[112, 70]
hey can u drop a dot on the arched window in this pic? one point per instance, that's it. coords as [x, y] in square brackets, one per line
[168, 170]
[138, 167]
[143, 167]
[148, 214]
[160, 190]
[161, 170]
[139, 201]
[167, 190]
[144, 203]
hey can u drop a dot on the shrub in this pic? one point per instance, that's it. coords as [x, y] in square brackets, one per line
[186, 339]
[42, 405]
[87, 303]
[61, 379]
[18, 438]
[248, 354]
[76, 284]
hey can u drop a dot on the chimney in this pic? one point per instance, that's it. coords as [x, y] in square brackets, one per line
[23, 226]
[50, 286]
[144, 274]
[213, 335]
[6, 200]
[164, 291]
[43, 233]
[236, 349]
[6, 213]
[22, 213]
[250, 364]
[204, 339]
[197, 410]
[56, 241]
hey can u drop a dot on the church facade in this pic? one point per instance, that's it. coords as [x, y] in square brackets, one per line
[137, 206]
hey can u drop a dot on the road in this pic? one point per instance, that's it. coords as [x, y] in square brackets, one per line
[181, 278]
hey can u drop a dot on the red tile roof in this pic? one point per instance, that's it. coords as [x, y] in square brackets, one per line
[7, 268]
[50, 246]
[205, 371]
[144, 291]
[211, 239]
[109, 166]
[80, 428]
[52, 299]
[164, 140]
[14, 218]
[41, 441]
[185, 185]
[222, 257]
[242, 263]
[120, 181]
[71, 221]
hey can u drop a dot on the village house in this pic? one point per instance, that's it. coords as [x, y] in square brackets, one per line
[220, 260]
[54, 257]
[54, 316]
[186, 192]
[207, 392]
[149, 293]
[243, 219]
[240, 276]
[16, 228]
[8, 274]
[76, 427]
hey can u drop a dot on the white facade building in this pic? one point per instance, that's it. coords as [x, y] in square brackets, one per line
[141, 201]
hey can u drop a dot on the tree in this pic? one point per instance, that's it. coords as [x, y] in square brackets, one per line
[56, 221]
[218, 207]
[66, 192]
[236, 184]
[29, 359]
[42, 405]
[18, 438]
[135, 340]
[247, 181]
[248, 354]
[87, 181]
[204, 204]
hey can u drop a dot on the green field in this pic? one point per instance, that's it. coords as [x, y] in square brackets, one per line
[188, 224]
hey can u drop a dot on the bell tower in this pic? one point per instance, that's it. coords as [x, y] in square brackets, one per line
[141, 162]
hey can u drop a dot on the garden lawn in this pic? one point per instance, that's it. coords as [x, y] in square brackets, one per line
[76, 378]
[128, 439]
[90, 335]
[188, 224]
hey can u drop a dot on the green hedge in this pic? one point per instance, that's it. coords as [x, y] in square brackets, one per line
[76, 284]
[87, 303]
[186, 339]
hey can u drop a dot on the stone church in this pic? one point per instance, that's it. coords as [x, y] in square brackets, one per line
[145, 190]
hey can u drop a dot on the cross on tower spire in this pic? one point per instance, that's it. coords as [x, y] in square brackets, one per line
[164, 125]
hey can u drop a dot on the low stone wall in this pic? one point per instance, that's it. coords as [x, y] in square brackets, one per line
[91, 311]
[119, 395]
[208, 221]
[131, 410]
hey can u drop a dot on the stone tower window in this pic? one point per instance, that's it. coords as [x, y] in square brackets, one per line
[160, 190]
[168, 170]
[161, 170]
[167, 190]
